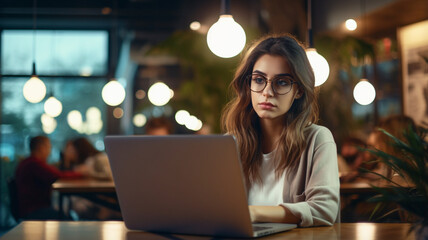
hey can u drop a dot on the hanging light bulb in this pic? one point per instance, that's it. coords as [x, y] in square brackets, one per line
[113, 93]
[159, 94]
[364, 92]
[53, 107]
[226, 38]
[351, 24]
[318, 63]
[34, 89]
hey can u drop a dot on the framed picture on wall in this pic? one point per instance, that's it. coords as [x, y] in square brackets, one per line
[413, 41]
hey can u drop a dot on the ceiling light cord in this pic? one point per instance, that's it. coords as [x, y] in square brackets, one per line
[309, 36]
[225, 7]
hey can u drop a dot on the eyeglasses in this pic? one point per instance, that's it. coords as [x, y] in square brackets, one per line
[280, 84]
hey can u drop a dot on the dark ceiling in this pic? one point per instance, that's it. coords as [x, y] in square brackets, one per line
[156, 19]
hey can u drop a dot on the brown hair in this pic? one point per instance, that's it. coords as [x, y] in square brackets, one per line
[158, 122]
[37, 141]
[84, 149]
[240, 119]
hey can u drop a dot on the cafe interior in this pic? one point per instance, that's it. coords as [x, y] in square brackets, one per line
[93, 68]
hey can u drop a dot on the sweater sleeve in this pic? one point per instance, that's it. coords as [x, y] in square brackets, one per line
[319, 204]
[44, 172]
[49, 174]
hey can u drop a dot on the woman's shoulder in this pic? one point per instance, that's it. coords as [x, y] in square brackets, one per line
[101, 156]
[319, 134]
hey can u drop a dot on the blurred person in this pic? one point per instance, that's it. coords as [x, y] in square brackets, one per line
[158, 126]
[86, 159]
[357, 208]
[289, 162]
[396, 125]
[34, 177]
[350, 158]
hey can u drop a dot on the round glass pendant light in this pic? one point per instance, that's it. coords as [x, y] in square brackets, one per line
[364, 92]
[226, 38]
[351, 24]
[74, 119]
[181, 116]
[34, 90]
[159, 94]
[139, 120]
[319, 65]
[53, 107]
[48, 123]
[113, 93]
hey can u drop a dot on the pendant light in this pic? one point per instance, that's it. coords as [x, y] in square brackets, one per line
[52, 106]
[364, 93]
[34, 89]
[318, 62]
[226, 38]
[113, 93]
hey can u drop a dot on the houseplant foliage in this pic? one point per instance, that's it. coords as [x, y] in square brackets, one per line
[411, 164]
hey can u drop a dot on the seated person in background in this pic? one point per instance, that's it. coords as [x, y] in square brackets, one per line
[357, 208]
[34, 178]
[87, 159]
[396, 125]
[158, 126]
[350, 158]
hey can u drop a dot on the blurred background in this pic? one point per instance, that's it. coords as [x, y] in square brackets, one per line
[153, 54]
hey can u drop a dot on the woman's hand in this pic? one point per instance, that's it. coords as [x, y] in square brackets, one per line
[252, 213]
[277, 214]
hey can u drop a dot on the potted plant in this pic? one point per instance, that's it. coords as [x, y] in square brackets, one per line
[411, 164]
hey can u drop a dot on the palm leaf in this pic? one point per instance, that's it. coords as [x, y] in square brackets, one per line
[411, 165]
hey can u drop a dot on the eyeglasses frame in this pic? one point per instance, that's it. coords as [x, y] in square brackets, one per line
[249, 77]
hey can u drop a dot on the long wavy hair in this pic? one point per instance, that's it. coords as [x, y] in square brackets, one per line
[84, 149]
[240, 119]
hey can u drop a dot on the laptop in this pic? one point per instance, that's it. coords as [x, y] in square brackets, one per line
[183, 184]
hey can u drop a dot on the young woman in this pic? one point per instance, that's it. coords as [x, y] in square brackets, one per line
[87, 159]
[290, 163]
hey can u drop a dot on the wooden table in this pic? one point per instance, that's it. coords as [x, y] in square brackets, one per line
[109, 230]
[356, 188]
[364, 186]
[98, 191]
[85, 185]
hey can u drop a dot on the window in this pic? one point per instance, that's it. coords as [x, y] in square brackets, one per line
[73, 65]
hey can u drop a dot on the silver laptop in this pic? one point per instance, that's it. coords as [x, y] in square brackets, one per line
[183, 184]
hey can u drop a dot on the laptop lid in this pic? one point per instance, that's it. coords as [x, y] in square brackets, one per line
[180, 184]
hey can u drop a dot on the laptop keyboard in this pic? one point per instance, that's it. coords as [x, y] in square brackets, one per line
[259, 228]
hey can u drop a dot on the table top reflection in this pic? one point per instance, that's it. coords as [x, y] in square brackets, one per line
[109, 230]
[83, 185]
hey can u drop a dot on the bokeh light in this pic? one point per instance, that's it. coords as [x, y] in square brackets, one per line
[159, 94]
[139, 120]
[351, 24]
[113, 93]
[53, 107]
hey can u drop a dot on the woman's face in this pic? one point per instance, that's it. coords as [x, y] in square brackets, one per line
[70, 152]
[267, 104]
